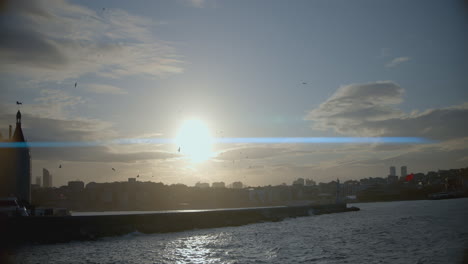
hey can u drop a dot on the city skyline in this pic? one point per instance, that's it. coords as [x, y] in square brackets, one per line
[82, 71]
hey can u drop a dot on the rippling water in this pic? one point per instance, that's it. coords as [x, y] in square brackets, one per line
[392, 232]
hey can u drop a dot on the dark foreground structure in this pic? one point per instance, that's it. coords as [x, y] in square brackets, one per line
[52, 229]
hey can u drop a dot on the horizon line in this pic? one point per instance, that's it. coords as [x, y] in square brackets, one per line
[234, 140]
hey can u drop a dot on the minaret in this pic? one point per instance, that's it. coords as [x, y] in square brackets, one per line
[338, 197]
[18, 135]
[22, 164]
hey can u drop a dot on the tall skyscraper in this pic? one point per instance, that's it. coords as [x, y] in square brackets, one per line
[15, 165]
[46, 178]
[392, 171]
[404, 171]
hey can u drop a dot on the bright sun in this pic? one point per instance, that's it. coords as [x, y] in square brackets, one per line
[195, 141]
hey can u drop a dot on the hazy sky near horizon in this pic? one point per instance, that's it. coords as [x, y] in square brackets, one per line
[370, 68]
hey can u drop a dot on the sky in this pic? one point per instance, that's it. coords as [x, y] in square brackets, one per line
[143, 69]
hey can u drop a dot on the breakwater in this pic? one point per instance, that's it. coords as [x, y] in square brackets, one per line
[51, 229]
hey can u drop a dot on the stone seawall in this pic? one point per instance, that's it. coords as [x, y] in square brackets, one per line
[52, 229]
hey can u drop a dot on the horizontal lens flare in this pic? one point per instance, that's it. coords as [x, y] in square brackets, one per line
[252, 140]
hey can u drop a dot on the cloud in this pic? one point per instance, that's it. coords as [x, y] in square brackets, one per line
[37, 128]
[261, 152]
[104, 89]
[444, 155]
[397, 61]
[197, 3]
[251, 153]
[54, 40]
[97, 154]
[369, 110]
[441, 124]
[50, 103]
[354, 104]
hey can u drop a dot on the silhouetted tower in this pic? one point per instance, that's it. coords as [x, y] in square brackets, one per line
[46, 178]
[392, 171]
[404, 171]
[338, 197]
[15, 166]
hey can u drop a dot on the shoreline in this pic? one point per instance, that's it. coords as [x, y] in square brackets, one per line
[57, 229]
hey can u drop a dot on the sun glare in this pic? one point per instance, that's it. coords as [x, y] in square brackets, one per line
[194, 140]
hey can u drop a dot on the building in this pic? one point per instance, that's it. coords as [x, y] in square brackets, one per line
[392, 179]
[38, 181]
[46, 178]
[237, 185]
[392, 171]
[15, 165]
[298, 182]
[218, 185]
[309, 182]
[76, 186]
[202, 185]
[404, 171]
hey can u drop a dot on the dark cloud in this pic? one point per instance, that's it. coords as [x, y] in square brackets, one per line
[54, 40]
[440, 124]
[38, 129]
[21, 43]
[424, 158]
[29, 48]
[24, 7]
[367, 110]
[56, 130]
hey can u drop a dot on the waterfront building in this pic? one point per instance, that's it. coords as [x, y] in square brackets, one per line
[15, 165]
[392, 171]
[218, 185]
[309, 182]
[404, 171]
[38, 181]
[392, 179]
[46, 178]
[202, 185]
[237, 185]
[76, 186]
[298, 182]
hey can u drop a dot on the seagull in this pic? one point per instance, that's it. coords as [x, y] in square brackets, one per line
[76, 83]
[304, 83]
[113, 169]
[179, 149]
[19, 103]
[60, 166]
[138, 176]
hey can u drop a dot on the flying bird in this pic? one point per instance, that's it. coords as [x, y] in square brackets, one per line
[60, 166]
[113, 169]
[178, 149]
[76, 83]
[19, 103]
[304, 83]
[138, 176]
